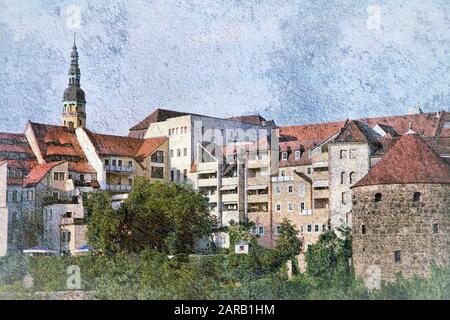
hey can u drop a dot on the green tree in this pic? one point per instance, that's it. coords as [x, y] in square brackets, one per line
[288, 245]
[104, 224]
[331, 255]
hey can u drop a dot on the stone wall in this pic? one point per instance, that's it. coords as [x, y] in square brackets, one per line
[397, 223]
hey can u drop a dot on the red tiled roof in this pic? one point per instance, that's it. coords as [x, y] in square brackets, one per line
[149, 146]
[15, 142]
[110, 145]
[158, 115]
[57, 141]
[424, 124]
[38, 173]
[81, 167]
[410, 160]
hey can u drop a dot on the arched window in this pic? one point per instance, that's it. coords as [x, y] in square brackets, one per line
[416, 196]
[378, 197]
[352, 177]
[342, 177]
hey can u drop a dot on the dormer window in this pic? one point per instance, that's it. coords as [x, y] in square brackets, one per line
[297, 155]
[284, 156]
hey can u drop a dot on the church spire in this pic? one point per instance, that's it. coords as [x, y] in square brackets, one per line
[74, 114]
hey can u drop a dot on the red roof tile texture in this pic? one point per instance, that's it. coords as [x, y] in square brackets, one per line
[57, 141]
[109, 145]
[38, 173]
[410, 160]
[149, 146]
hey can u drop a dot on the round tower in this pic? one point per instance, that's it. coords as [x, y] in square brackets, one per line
[401, 213]
[74, 103]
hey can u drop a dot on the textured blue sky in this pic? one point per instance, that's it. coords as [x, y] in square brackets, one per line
[294, 61]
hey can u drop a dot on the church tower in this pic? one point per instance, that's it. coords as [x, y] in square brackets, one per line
[74, 112]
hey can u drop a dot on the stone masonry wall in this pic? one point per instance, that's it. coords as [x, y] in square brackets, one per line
[397, 223]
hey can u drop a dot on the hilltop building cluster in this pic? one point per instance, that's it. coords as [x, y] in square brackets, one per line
[388, 178]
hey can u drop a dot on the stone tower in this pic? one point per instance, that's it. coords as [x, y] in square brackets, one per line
[401, 213]
[74, 103]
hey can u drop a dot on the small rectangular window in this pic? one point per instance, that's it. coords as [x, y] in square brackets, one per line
[278, 189]
[435, 228]
[309, 227]
[290, 189]
[343, 154]
[290, 208]
[297, 155]
[278, 207]
[363, 229]
[397, 256]
[316, 228]
[352, 154]
[261, 231]
[284, 156]
[185, 152]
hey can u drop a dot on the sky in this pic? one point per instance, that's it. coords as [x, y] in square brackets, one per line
[292, 61]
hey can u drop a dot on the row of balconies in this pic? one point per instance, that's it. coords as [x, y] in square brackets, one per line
[118, 187]
[111, 168]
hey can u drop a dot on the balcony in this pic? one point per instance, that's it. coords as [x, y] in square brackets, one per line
[126, 169]
[282, 178]
[258, 163]
[211, 182]
[230, 181]
[230, 197]
[306, 212]
[321, 193]
[118, 187]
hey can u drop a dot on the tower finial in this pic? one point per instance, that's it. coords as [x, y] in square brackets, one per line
[74, 40]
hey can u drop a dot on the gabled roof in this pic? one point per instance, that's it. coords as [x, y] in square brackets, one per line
[357, 131]
[110, 145]
[15, 143]
[57, 141]
[410, 160]
[149, 146]
[158, 115]
[38, 173]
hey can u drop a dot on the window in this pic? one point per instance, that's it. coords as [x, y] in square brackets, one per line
[290, 189]
[114, 163]
[302, 206]
[158, 157]
[352, 177]
[290, 208]
[172, 175]
[185, 152]
[55, 195]
[278, 189]
[158, 173]
[297, 155]
[278, 229]
[316, 228]
[278, 207]
[343, 177]
[119, 163]
[343, 154]
[308, 170]
[171, 153]
[284, 156]
[363, 229]
[82, 177]
[301, 190]
[416, 196]
[352, 154]
[185, 175]
[343, 196]
[324, 227]
[309, 227]
[178, 152]
[261, 231]
[435, 228]
[397, 256]
[378, 197]
[58, 176]
[324, 148]
[283, 173]
[178, 175]
[130, 164]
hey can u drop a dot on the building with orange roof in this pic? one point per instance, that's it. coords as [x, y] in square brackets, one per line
[401, 212]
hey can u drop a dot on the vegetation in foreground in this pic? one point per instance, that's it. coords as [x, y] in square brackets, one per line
[132, 247]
